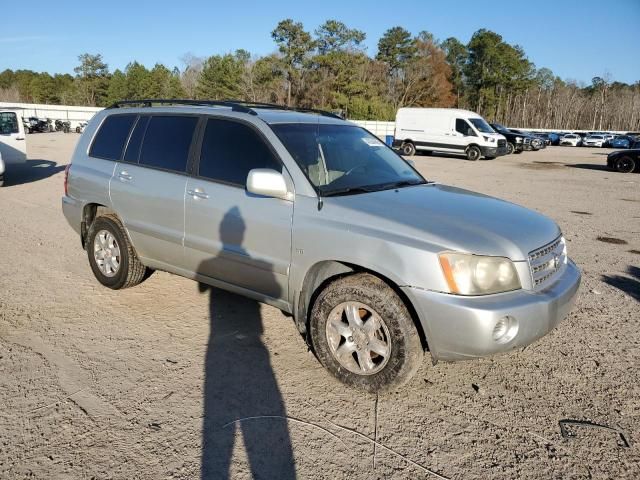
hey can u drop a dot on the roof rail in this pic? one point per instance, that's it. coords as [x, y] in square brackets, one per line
[235, 105]
[149, 102]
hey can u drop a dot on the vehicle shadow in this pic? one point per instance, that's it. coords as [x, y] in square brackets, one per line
[241, 394]
[588, 166]
[629, 285]
[30, 171]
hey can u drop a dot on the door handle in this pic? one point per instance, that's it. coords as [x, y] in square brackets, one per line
[123, 175]
[198, 193]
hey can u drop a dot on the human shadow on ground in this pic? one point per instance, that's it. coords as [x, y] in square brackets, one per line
[241, 394]
[30, 171]
[629, 285]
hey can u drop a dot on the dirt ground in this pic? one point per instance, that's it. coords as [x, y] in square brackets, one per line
[108, 384]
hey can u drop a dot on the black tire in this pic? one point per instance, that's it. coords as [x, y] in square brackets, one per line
[77, 129]
[405, 348]
[474, 153]
[510, 148]
[130, 271]
[517, 152]
[408, 149]
[489, 158]
[625, 164]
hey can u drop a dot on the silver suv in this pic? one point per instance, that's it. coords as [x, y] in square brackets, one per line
[316, 216]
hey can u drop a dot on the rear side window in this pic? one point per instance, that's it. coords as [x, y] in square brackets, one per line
[111, 137]
[8, 123]
[230, 150]
[133, 147]
[167, 141]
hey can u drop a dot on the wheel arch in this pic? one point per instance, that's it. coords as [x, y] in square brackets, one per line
[327, 271]
[89, 213]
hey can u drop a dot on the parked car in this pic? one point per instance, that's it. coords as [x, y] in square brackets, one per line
[447, 130]
[62, 126]
[375, 263]
[622, 141]
[625, 161]
[35, 124]
[593, 141]
[571, 139]
[534, 143]
[550, 138]
[608, 138]
[13, 148]
[515, 143]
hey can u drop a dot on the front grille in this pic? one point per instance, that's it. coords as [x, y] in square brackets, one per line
[547, 262]
[502, 143]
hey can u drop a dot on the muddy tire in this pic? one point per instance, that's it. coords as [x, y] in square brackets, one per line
[363, 333]
[408, 149]
[112, 258]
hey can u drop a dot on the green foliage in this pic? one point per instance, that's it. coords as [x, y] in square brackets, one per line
[221, 76]
[396, 48]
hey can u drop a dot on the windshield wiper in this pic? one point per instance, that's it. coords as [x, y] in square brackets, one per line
[400, 183]
[347, 191]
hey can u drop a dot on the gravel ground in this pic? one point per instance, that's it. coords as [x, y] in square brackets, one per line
[102, 384]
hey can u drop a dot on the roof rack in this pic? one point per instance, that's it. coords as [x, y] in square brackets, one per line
[235, 105]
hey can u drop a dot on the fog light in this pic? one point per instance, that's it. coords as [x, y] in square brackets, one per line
[505, 329]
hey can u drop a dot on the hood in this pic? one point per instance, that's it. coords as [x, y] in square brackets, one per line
[441, 218]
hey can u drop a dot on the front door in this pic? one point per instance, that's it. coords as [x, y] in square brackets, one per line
[13, 148]
[231, 235]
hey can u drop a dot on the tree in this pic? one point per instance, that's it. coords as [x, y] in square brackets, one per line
[92, 79]
[221, 76]
[396, 48]
[295, 44]
[456, 55]
[334, 36]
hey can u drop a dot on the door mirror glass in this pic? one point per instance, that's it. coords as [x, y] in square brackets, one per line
[268, 183]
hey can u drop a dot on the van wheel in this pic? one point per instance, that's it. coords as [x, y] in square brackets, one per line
[408, 149]
[473, 153]
[510, 148]
[111, 255]
[364, 335]
[625, 164]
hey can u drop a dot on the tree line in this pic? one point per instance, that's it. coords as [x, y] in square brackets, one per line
[330, 68]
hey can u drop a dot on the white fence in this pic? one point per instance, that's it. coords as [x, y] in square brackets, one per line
[71, 113]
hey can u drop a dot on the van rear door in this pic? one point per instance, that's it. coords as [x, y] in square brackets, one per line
[13, 147]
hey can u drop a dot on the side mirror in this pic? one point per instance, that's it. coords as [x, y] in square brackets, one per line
[268, 183]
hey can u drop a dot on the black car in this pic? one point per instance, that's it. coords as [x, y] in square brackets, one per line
[625, 161]
[516, 143]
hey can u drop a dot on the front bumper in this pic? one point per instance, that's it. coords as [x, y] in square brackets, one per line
[461, 328]
[493, 151]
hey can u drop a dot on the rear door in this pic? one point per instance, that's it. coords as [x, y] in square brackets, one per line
[13, 147]
[232, 235]
[147, 188]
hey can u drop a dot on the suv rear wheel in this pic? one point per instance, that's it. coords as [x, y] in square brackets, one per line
[111, 255]
[364, 335]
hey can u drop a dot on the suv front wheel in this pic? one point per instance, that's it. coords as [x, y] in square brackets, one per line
[111, 255]
[364, 335]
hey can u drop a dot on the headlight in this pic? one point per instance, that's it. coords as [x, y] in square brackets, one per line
[518, 139]
[489, 139]
[468, 274]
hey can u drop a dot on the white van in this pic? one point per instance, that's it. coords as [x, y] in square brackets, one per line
[447, 130]
[13, 148]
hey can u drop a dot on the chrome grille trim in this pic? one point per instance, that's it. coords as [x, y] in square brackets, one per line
[502, 143]
[546, 262]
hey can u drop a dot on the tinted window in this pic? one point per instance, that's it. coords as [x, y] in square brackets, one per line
[167, 141]
[133, 147]
[111, 137]
[8, 123]
[464, 128]
[230, 150]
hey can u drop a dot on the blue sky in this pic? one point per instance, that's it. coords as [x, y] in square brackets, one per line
[575, 39]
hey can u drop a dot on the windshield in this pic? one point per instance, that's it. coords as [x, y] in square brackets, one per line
[500, 128]
[342, 159]
[481, 125]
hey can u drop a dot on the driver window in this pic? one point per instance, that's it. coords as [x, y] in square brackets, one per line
[463, 127]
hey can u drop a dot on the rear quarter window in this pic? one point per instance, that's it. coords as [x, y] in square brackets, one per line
[8, 123]
[167, 141]
[112, 136]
